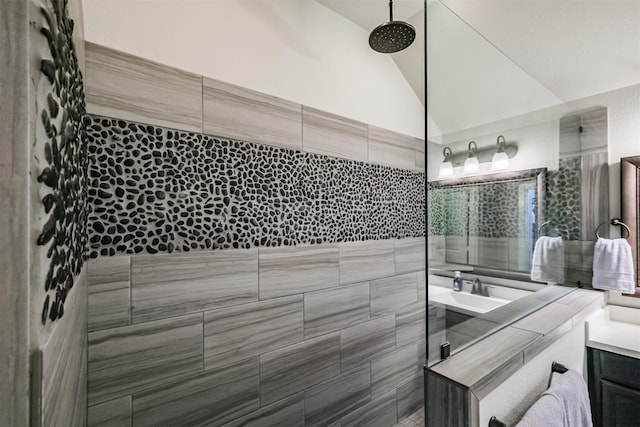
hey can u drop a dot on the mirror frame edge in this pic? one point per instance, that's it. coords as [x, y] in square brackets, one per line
[629, 202]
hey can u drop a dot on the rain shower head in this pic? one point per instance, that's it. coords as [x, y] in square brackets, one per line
[392, 36]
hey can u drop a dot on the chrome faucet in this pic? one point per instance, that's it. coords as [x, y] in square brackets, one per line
[477, 287]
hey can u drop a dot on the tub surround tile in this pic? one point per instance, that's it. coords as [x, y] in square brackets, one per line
[335, 308]
[211, 398]
[132, 88]
[364, 342]
[291, 369]
[380, 412]
[130, 358]
[410, 254]
[329, 401]
[394, 368]
[390, 294]
[410, 397]
[333, 135]
[287, 412]
[391, 148]
[239, 332]
[170, 285]
[372, 259]
[288, 270]
[235, 112]
[114, 413]
[410, 324]
[109, 292]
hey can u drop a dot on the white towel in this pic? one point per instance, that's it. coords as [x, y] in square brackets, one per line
[564, 404]
[613, 266]
[547, 264]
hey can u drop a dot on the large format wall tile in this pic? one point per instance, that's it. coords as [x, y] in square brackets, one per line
[390, 294]
[132, 88]
[127, 359]
[380, 412]
[391, 148]
[335, 308]
[332, 135]
[289, 270]
[234, 112]
[360, 261]
[109, 292]
[287, 412]
[170, 285]
[292, 369]
[410, 324]
[364, 342]
[393, 369]
[410, 255]
[329, 401]
[114, 413]
[212, 398]
[410, 396]
[239, 332]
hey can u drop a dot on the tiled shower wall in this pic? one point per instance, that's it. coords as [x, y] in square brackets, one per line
[321, 326]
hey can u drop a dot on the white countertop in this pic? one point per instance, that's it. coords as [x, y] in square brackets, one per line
[616, 330]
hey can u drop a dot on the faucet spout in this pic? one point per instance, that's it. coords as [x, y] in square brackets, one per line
[477, 287]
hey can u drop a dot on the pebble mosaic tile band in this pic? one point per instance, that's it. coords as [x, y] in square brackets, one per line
[153, 189]
[61, 157]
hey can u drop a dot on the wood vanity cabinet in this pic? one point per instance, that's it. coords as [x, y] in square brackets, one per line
[614, 389]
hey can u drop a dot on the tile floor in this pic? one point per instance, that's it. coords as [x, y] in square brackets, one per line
[414, 420]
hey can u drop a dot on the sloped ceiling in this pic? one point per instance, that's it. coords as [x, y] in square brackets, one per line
[492, 59]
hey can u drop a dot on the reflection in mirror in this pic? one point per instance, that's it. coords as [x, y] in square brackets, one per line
[630, 192]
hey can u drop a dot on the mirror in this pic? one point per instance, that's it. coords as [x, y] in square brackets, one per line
[486, 222]
[630, 204]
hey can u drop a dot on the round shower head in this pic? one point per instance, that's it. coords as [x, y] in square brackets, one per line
[392, 36]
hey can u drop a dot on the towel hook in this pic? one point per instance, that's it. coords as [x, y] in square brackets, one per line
[615, 221]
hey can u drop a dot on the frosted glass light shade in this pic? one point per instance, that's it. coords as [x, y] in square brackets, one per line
[471, 165]
[500, 161]
[446, 170]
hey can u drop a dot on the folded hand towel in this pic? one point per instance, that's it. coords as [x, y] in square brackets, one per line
[613, 266]
[547, 264]
[564, 404]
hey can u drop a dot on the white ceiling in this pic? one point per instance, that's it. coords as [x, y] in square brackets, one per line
[493, 59]
[368, 14]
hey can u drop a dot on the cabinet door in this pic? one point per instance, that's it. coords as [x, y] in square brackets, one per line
[620, 405]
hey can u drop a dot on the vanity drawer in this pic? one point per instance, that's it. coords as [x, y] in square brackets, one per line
[620, 369]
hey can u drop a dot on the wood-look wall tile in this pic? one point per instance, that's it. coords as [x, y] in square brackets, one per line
[133, 88]
[410, 255]
[390, 294]
[410, 324]
[288, 270]
[212, 398]
[291, 369]
[364, 342]
[380, 412]
[394, 369]
[109, 292]
[410, 396]
[333, 135]
[422, 287]
[129, 358]
[331, 400]
[171, 285]
[115, 413]
[235, 112]
[391, 148]
[242, 331]
[287, 412]
[64, 362]
[335, 308]
[420, 160]
[367, 260]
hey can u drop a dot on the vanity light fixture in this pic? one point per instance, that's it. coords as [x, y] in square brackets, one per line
[500, 160]
[471, 165]
[446, 168]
